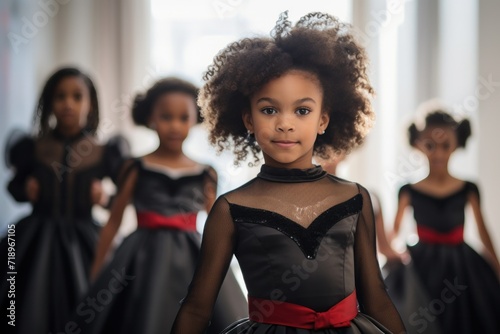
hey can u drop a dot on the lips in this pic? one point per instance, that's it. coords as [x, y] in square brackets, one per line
[285, 143]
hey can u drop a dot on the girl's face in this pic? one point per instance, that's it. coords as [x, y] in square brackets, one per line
[172, 117]
[71, 104]
[286, 117]
[437, 143]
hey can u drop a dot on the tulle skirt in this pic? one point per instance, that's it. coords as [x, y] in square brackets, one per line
[362, 324]
[446, 289]
[140, 290]
[52, 261]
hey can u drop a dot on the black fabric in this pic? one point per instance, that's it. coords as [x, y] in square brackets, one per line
[308, 239]
[457, 287]
[160, 192]
[55, 243]
[157, 264]
[245, 222]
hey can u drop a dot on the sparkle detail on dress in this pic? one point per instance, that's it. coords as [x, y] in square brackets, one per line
[308, 239]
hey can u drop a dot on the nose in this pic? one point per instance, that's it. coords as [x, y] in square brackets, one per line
[284, 124]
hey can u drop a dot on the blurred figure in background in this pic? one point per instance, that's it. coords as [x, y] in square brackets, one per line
[448, 287]
[158, 260]
[59, 172]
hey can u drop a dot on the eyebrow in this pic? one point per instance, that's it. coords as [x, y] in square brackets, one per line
[273, 101]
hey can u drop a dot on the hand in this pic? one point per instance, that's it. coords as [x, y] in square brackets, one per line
[32, 189]
[395, 257]
[97, 193]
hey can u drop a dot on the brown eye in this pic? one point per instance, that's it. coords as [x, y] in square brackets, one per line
[429, 146]
[303, 111]
[269, 111]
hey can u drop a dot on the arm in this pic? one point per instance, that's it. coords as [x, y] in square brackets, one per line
[115, 219]
[216, 254]
[115, 157]
[481, 227]
[382, 241]
[387, 250]
[210, 189]
[404, 201]
[371, 291]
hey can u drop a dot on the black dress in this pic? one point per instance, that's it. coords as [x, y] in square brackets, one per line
[54, 245]
[305, 240]
[154, 264]
[447, 287]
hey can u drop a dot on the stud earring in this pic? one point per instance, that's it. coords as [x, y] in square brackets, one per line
[250, 137]
[322, 132]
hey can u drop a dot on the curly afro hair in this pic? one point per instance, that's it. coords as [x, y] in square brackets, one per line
[436, 115]
[319, 44]
[143, 104]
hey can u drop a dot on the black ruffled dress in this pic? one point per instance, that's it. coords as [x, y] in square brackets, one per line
[140, 290]
[54, 245]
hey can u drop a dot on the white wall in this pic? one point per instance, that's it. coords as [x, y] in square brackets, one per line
[489, 114]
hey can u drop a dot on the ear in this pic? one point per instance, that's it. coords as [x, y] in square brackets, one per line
[323, 122]
[248, 121]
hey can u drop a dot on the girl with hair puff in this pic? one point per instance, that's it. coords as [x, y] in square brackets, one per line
[153, 265]
[305, 240]
[59, 172]
[457, 288]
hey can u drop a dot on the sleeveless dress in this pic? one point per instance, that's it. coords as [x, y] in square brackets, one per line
[141, 288]
[447, 287]
[305, 241]
[54, 245]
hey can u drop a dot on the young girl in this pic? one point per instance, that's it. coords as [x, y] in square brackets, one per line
[157, 261]
[59, 173]
[305, 240]
[462, 292]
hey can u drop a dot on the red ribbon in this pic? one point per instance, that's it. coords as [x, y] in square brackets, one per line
[185, 222]
[298, 316]
[429, 235]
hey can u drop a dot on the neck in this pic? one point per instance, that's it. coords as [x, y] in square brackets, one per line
[167, 152]
[69, 132]
[439, 176]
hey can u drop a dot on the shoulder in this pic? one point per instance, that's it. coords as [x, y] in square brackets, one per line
[349, 188]
[239, 192]
[118, 146]
[209, 172]
[340, 182]
[19, 149]
[405, 190]
[472, 189]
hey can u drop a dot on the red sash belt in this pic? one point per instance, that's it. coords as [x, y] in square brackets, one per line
[185, 222]
[453, 237]
[293, 315]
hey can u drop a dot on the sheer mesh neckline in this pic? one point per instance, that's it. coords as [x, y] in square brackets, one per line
[291, 175]
[56, 133]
